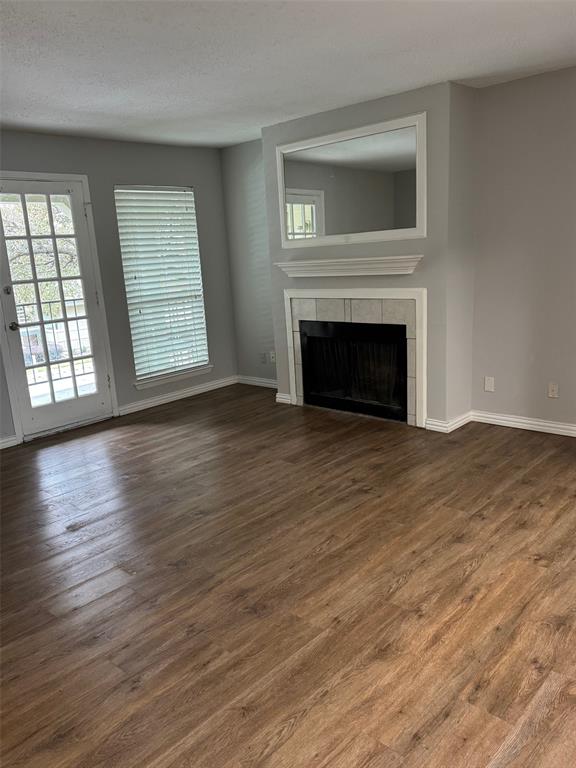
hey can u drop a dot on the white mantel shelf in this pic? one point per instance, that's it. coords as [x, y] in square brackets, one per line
[372, 265]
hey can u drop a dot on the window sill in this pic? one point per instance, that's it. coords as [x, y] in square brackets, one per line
[156, 381]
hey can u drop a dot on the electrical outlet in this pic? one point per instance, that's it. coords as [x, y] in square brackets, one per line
[263, 358]
[489, 385]
[273, 356]
[553, 389]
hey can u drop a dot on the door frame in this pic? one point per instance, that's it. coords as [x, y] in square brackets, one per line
[92, 255]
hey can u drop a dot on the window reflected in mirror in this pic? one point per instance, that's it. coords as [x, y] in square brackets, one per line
[304, 213]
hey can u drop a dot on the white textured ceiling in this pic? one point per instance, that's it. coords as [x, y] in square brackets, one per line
[215, 72]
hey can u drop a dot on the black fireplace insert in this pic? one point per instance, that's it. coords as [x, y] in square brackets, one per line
[360, 367]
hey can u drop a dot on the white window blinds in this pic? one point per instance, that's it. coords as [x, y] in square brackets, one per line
[161, 260]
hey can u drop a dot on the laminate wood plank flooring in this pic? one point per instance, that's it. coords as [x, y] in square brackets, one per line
[223, 582]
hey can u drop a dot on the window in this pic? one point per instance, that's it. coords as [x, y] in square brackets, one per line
[304, 213]
[163, 277]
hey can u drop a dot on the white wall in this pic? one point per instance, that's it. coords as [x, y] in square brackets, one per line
[525, 231]
[245, 195]
[107, 163]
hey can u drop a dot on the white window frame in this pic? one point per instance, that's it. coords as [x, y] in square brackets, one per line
[145, 382]
[307, 197]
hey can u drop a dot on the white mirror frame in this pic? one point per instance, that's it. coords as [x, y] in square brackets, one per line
[412, 121]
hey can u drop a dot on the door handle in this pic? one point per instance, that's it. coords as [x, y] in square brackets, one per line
[14, 326]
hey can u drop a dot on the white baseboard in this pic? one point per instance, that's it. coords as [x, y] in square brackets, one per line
[522, 422]
[436, 425]
[151, 402]
[256, 382]
[9, 442]
[503, 420]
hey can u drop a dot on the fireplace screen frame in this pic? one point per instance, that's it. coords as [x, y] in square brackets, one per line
[358, 332]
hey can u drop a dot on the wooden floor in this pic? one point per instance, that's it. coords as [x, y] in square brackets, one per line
[224, 582]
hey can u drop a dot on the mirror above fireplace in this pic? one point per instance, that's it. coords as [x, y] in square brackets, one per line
[362, 185]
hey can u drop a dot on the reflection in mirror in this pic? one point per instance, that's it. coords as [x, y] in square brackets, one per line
[355, 185]
[304, 213]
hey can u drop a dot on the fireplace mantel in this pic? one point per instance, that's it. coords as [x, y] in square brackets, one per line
[371, 265]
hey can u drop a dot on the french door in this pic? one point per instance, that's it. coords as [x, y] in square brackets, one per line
[55, 326]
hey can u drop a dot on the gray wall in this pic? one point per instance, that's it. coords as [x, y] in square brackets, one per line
[525, 287]
[355, 200]
[245, 195]
[107, 163]
[6, 422]
[431, 273]
[404, 199]
[460, 253]
[499, 259]
[500, 256]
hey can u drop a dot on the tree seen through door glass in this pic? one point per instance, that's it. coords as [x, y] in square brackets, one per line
[12, 215]
[73, 298]
[26, 305]
[68, 256]
[38, 219]
[19, 259]
[50, 300]
[62, 214]
[44, 258]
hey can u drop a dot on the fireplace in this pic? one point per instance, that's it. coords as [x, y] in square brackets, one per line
[404, 307]
[354, 366]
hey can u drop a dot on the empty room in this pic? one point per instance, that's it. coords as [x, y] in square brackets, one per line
[288, 383]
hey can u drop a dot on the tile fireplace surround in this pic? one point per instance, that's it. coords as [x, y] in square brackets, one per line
[396, 306]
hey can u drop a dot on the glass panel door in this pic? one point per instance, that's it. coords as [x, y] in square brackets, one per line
[51, 307]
